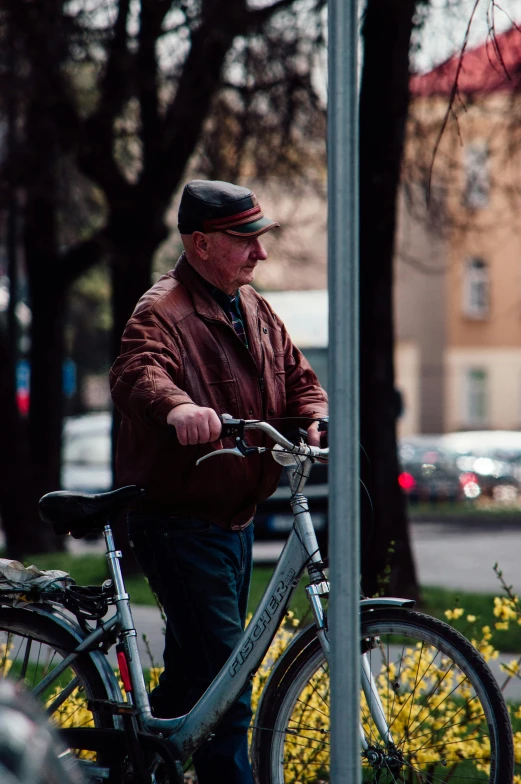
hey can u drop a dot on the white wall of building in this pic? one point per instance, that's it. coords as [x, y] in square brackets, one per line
[484, 381]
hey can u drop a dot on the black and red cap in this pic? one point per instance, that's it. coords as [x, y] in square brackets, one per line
[212, 205]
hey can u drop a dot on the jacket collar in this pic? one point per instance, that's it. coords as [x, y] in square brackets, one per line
[207, 307]
[204, 303]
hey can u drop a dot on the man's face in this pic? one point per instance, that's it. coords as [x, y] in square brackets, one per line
[232, 260]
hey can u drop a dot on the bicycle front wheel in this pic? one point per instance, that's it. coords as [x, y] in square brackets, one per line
[445, 713]
[31, 647]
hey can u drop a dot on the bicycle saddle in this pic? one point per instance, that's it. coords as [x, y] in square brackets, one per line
[80, 513]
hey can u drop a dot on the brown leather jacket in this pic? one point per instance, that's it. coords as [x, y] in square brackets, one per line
[179, 347]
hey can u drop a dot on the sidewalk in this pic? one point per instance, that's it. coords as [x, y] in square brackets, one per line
[462, 556]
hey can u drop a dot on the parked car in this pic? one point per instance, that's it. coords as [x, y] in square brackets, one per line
[429, 472]
[86, 453]
[493, 456]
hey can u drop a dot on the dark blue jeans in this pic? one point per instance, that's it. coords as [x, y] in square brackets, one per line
[201, 574]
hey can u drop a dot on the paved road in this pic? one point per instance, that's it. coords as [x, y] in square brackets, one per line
[462, 556]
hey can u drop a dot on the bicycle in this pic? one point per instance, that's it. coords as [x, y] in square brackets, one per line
[431, 710]
[29, 751]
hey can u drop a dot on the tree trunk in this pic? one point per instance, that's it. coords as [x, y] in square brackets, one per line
[15, 509]
[387, 562]
[45, 413]
[131, 270]
[134, 236]
[46, 409]
[39, 33]
[47, 294]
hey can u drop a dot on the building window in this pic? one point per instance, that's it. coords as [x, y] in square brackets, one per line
[476, 397]
[476, 289]
[477, 175]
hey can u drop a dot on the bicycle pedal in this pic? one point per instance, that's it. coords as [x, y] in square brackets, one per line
[112, 707]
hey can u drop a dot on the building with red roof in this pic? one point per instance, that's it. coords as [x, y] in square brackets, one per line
[493, 67]
[458, 257]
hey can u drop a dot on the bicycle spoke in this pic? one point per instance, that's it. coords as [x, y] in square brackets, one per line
[431, 778]
[444, 727]
[28, 646]
[319, 712]
[306, 746]
[37, 665]
[63, 695]
[449, 743]
[303, 728]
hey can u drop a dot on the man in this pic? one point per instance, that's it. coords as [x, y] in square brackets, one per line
[201, 342]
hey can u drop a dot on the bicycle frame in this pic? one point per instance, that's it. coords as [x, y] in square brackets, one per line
[187, 732]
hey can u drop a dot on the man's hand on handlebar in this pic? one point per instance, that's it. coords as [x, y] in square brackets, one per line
[313, 434]
[200, 425]
[194, 424]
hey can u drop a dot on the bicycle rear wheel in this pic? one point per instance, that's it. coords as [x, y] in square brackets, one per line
[31, 647]
[445, 712]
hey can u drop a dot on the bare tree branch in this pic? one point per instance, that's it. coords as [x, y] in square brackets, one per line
[151, 21]
[454, 92]
[96, 150]
[80, 257]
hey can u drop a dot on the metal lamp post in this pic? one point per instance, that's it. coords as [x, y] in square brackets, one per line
[343, 388]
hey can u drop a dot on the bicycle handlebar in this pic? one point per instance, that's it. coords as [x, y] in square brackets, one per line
[236, 428]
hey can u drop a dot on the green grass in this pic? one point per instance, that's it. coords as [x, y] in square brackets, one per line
[463, 510]
[85, 569]
[436, 600]
[91, 570]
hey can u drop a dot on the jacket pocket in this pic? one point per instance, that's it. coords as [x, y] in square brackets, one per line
[223, 396]
[279, 403]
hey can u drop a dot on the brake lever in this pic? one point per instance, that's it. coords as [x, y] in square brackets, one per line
[241, 449]
[233, 451]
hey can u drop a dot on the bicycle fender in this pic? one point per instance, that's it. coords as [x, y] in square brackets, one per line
[98, 658]
[378, 602]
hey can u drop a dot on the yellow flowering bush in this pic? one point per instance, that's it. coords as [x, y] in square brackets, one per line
[442, 712]
[435, 719]
[452, 615]
[507, 609]
[436, 723]
[4, 658]
[74, 712]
